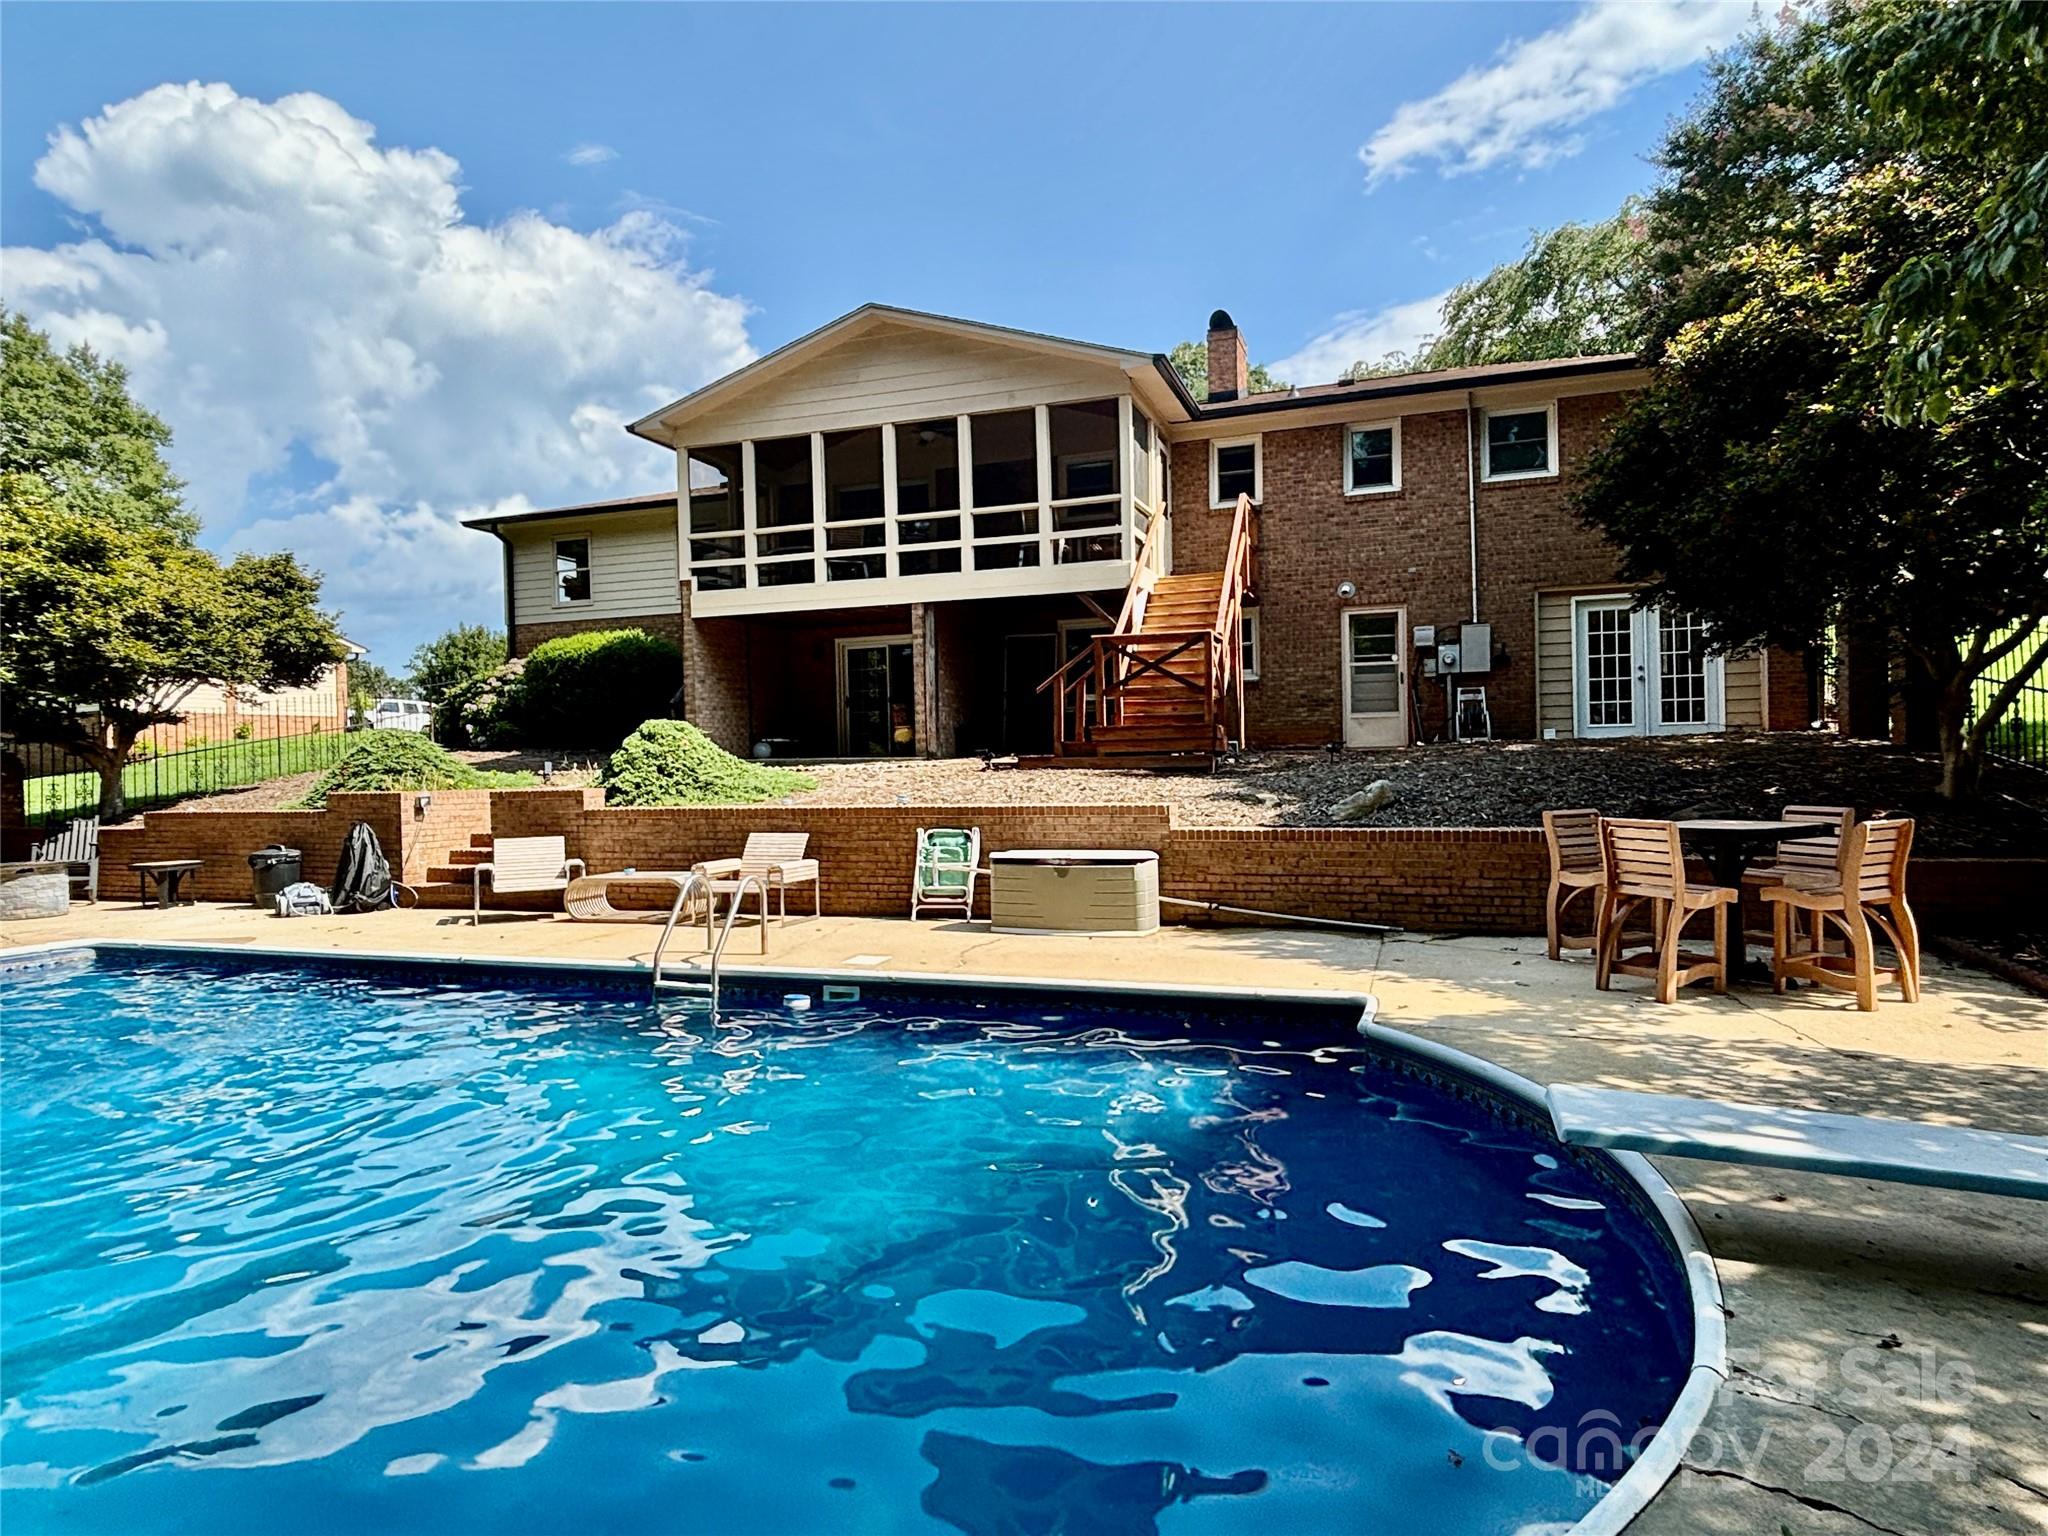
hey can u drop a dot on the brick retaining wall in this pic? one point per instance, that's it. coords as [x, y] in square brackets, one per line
[1429, 879]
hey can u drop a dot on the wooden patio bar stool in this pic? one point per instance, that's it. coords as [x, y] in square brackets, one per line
[1867, 885]
[1577, 864]
[1646, 865]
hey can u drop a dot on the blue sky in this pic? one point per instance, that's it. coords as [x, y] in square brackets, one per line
[384, 266]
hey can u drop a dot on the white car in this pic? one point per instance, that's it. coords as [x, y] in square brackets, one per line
[401, 715]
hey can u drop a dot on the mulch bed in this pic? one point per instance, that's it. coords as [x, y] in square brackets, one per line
[1471, 784]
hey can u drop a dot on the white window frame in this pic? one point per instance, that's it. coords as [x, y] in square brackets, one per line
[1486, 474]
[1249, 642]
[589, 568]
[1257, 445]
[840, 647]
[1344, 447]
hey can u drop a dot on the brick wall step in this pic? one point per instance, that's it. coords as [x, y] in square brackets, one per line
[468, 856]
[481, 840]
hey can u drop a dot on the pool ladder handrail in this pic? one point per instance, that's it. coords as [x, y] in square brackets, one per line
[697, 881]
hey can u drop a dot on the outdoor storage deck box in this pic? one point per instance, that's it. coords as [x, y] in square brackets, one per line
[1074, 890]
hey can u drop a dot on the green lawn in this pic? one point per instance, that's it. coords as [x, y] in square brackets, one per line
[2023, 733]
[155, 781]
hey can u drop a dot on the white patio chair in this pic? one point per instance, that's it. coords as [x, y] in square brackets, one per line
[777, 860]
[520, 864]
[78, 845]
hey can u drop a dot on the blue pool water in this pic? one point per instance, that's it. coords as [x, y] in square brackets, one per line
[290, 1248]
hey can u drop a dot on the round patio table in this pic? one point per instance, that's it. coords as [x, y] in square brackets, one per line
[1727, 844]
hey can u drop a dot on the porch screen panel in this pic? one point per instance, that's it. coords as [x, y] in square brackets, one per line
[855, 532]
[927, 487]
[1087, 487]
[785, 517]
[1005, 452]
[718, 539]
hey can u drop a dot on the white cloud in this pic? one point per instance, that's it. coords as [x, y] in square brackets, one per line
[285, 291]
[591, 154]
[1362, 336]
[1519, 111]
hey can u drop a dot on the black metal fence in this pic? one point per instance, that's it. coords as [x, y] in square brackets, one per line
[203, 755]
[2020, 734]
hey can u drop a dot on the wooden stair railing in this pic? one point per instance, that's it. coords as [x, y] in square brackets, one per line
[1164, 680]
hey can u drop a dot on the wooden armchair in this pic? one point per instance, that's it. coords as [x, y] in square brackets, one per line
[1645, 864]
[1867, 885]
[777, 860]
[1577, 864]
[77, 846]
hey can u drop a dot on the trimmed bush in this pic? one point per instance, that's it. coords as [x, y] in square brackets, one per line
[671, 762]
[592, 689]
[403, 760]
[481, 712]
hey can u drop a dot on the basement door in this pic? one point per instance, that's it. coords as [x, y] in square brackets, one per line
[1374, 677]
[1641, 673]
[877, 705]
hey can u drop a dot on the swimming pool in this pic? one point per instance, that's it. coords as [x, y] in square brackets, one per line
[408, 1247]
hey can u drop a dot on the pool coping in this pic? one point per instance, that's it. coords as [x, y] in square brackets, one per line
[1629, 1495]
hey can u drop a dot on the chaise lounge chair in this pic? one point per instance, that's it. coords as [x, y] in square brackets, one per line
[78, 846]
[519, 864]
[948, 858]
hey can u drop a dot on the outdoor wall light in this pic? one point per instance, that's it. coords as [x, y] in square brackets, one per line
[1347, 589]
[420, 804]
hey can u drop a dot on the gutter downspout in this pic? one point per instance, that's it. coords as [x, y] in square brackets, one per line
[1471, 506]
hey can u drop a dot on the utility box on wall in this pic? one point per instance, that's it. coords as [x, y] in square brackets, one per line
[1475, 648]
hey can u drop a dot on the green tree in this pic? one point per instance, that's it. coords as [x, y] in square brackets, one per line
[1576, 291]
[1190, 360]
[368, 682]
[464, 654]
[126, 621]
[70, 435]
[1963, 89]
[1759, 481]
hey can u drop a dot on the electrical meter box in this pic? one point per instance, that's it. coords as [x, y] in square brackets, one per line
[1447, 657]
[1475, 648]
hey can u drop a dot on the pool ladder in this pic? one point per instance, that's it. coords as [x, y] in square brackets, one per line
[696, 883]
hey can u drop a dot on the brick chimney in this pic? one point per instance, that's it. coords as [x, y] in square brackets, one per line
[1230, 369]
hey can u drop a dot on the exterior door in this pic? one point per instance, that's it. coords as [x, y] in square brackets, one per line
[876, 699]
[1642, 673]
[1375, 677]
[1028, 660]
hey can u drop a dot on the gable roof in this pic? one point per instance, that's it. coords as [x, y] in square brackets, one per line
[653, 501]
[656, 424]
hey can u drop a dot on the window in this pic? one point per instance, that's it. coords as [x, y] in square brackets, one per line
[1372, 458]
[572, 570]
[1521, 444]
[1233, 470]
[1248, 637]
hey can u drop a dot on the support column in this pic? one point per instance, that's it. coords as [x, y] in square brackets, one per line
[923, 690]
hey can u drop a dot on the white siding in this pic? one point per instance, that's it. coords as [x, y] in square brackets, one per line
[632, 567]
[894, 374]
[1742, 677]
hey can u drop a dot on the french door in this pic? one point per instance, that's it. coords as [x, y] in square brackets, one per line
[877, 704]
[1374, 680]
[1642, 672]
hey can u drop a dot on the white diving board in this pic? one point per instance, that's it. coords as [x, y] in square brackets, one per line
[1855, 1146]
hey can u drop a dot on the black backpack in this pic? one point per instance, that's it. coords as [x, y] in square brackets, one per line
[362, 879]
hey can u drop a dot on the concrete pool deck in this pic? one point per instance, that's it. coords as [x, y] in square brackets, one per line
[1888, 1344]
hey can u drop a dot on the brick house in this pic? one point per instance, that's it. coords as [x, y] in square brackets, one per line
[908, 534]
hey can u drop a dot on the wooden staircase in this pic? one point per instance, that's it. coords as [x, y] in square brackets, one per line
[1164, 687]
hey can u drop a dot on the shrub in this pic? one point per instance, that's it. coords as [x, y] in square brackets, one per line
[590, 690]
[402, 760]
[481, 711]
[671, 762]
